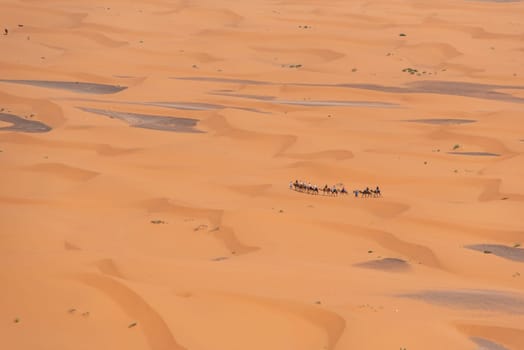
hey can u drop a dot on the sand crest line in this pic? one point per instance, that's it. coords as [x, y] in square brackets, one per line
[330, 322]
[151, 323]
[416, 252]
[217, 229]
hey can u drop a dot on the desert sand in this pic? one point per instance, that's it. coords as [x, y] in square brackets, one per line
[146, 149]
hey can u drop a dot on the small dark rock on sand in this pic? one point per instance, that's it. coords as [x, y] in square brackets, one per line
[157, 222]
[220, 258]
[200, 227]
[134, 324]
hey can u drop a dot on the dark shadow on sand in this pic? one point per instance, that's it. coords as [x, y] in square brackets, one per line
[510, 253]
[475, 154]
[73, 86]
[442, 121]
[485, 300]
[485, 344]
[147, 121]
[22, 125]
[386, 264]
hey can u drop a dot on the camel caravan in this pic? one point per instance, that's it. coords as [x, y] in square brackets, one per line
[335, 190]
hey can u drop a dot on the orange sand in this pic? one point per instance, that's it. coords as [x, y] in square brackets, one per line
[238, 260]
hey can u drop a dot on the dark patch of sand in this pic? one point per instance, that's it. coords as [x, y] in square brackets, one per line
[442, 121]
[147, 121]
[225, 80]
[454, 88]
[220, 258]
[22, 125]
[186, 106]
[197, 106]
[485, 344]
[510, 253]
[74, 86]
[485, 300]
[386, 264]
[191, 106]
[318, 103]
[312, 103]
[247, 96]
[497, 0]
[476, 154]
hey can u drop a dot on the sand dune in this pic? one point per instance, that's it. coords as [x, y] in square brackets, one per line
[150, 322]
[505, 336]
[64, 171]
[146, 151]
